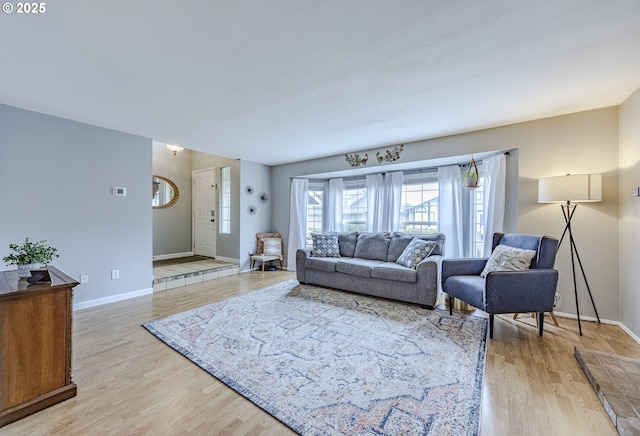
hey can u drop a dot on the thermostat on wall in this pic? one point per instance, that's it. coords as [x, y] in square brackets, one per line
[119, 192]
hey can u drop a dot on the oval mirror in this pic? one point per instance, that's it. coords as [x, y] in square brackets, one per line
[164, 192]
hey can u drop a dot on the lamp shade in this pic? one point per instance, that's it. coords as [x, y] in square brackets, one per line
[576, 188]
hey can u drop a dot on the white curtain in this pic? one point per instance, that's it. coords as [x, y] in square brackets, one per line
[392, 199]
[332, 207]
[297, 220]
[375, 202]
[495, 173]
[450, 210]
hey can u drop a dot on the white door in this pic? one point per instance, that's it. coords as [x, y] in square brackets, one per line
[204, 212]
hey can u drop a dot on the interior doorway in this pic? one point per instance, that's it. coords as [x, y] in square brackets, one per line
[204, 212]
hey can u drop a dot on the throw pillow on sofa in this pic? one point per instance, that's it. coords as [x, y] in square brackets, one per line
[417, 250]
[506, 258]
[325, 245]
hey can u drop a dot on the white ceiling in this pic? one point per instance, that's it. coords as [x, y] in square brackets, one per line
[275, 81]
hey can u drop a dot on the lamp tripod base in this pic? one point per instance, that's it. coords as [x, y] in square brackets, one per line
[568, 210]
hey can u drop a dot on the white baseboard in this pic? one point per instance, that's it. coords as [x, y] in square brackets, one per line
[172, 255]
[111, 299]
[629, 332]
[603, 321]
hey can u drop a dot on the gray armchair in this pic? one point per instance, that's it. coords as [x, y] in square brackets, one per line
[530, 290]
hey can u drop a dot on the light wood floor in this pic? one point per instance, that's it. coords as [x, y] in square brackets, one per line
[131, 383]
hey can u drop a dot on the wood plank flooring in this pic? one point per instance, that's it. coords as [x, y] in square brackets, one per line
[130, 383]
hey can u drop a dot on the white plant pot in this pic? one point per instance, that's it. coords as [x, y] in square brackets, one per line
[24, 271]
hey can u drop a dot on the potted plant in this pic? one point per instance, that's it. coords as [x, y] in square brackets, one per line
[470, 176]
[30, 255]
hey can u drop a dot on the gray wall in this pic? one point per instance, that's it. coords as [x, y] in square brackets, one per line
[629, 168]
[56, 177]
[259, 178]
[172, 225]
[585, 142]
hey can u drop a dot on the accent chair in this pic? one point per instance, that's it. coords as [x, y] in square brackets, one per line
[500, 284]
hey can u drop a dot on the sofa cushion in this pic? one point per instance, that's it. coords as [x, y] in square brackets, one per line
[325, 264]
[506, 258]
[399, 242]
[347, 242]
[395, 272]
[325, 245]
[417, 250]
[374, 246]
[357, 267]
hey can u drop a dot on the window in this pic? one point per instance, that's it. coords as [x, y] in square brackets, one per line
[225, 200]
[354, 206]
[418, 210]
[314, 209]
[419, 204]
[477, 219]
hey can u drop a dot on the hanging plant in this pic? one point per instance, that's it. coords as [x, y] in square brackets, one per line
[470, 177]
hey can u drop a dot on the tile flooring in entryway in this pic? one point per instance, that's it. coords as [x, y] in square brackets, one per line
[173, 273]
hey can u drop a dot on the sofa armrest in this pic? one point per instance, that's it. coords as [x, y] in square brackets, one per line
[301, 260]
[462, 267]
[428, 275]
[531, 290]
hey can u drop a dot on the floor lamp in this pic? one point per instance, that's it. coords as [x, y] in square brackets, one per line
[568, 190]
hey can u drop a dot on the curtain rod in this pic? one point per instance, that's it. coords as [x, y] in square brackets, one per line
[408, 172]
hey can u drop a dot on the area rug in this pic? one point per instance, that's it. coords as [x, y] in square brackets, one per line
[616, 380]
[327, 362]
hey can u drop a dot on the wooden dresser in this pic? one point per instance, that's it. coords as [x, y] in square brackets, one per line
[35, 344]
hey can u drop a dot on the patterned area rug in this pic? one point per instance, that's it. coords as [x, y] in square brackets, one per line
[328, 362]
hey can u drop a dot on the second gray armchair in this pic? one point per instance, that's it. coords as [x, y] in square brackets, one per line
[527, 290]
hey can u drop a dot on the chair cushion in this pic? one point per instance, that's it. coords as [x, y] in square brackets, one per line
[506, 258]
[272, 246]
[261, 237]
[325, 245]
[417, 250]
[469, 289]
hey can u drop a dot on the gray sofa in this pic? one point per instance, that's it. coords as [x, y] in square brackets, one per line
[367, 265]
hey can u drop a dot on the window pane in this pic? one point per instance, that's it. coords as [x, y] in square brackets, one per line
[477, 219]
[225, 200]
[419, 204]
[314, 209]
[354, 206]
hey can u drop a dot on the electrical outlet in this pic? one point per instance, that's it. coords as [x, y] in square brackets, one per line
[115, 274]
[84, 278]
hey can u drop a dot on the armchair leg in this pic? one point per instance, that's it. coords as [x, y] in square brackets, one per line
[540, 323]
[450, 305]
[491, 325]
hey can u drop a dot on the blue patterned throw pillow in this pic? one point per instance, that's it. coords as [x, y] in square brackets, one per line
[417, 250]
[325, 245]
